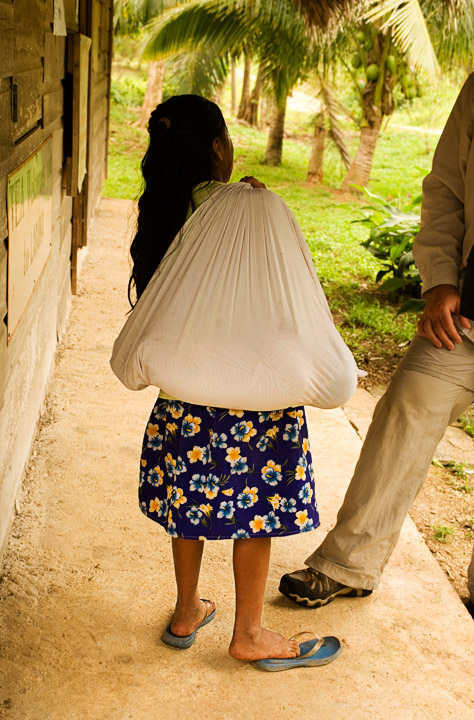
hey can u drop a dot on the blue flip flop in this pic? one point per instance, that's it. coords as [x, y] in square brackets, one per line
[315, 652]
[184, 642]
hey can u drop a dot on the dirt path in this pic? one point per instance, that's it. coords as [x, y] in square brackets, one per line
[88, 583]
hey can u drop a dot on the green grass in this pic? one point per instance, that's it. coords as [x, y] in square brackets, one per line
[346, 270]
[467, 422]
[461, 480]
[442, 533]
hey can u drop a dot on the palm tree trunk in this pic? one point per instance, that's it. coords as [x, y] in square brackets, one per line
[377, 101]
[244, 107]
[315, 167]
[359, 171]
[255, 98]
[153, 92]
[275, 136]
[216, 96]
[265, 108]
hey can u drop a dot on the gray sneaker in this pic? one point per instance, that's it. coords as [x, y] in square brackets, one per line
[314, 589]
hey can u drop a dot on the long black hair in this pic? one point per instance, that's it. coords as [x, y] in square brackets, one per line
[178, 158]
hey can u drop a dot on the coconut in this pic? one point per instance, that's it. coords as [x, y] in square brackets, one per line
[372, 72]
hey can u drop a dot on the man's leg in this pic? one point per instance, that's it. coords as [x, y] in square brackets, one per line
[408, 423]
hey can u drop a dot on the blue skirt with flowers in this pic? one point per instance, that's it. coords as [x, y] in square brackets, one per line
[212, 473]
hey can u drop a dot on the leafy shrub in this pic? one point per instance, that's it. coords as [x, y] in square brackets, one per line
[128, 91]
[391, 234]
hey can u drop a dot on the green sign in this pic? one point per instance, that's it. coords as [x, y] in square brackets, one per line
[29, 229]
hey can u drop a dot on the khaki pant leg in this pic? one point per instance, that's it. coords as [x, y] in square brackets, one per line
[408, 422]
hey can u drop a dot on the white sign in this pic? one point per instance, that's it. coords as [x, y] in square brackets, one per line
[29, 229]
[59, 18]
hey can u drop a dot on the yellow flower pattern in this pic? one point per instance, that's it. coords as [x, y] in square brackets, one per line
[195, 454]
[211, 473]
[154, 505]
[257, 524]
[233, 454]
[152, 430]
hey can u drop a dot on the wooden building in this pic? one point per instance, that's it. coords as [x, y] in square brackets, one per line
[55, 63]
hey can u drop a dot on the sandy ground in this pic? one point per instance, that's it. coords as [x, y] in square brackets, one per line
[88, 583]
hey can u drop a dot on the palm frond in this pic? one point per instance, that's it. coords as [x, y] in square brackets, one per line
[283, 66]
[229, 27]
[409, 30]
[451, 25]
[322, 14]
[199, 72]
[131, 15]
[334, 109]
[224, 26]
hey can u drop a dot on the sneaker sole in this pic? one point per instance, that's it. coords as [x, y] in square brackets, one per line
[320, 602]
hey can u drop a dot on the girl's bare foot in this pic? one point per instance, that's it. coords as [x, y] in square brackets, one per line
[260, 644]
[187, 619]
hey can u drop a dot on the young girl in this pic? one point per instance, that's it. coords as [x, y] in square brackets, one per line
[210, 472]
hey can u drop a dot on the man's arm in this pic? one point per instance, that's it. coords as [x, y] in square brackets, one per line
[438, 246]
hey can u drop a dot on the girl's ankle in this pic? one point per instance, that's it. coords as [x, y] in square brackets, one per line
[247, 632]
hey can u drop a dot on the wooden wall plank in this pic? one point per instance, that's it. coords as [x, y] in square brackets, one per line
[96, 32]
[104, 27]
[3, 211]
[3, 260]
[23, 150]
[48, 13]
[6, 40]
[99, 109]
[54, 59]
[29, 34]
[3, 281]
[6, 145]
[3, 256]
[3, 355]
[70, 12]
[57, 158]
[66, 220]
[53, 104]
[6, 14]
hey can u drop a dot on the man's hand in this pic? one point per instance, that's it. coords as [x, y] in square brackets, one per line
[436, 323]
[252, 181]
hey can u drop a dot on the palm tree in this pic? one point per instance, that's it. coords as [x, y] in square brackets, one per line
[130, 16]
[282, 65]
[392, 38]
[198, 71]
[190, 26]
[238, 28]
[395, 41]
[326, 123]
[451, 25]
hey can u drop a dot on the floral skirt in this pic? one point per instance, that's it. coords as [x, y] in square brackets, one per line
[212, 473]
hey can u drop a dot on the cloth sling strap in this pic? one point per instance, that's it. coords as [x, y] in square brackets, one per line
[467, 293]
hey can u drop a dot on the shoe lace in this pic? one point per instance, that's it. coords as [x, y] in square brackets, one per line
[319, 580]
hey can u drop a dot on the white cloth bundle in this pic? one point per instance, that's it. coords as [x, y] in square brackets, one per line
[235, 316]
